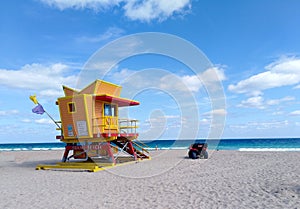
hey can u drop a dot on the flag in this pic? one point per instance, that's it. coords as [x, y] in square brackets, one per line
[33, 98]
[38, 109]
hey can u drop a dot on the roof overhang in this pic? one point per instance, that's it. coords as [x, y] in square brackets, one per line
[121, 102]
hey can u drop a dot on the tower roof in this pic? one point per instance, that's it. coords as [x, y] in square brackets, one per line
[102, 91]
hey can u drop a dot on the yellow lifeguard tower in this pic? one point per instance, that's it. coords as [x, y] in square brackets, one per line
[94, 134]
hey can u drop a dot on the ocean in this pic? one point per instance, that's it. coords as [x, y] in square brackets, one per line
[278, 144]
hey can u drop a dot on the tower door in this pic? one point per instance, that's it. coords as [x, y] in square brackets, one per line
[110, 117]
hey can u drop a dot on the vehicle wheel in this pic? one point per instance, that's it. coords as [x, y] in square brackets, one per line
[205, 154]
[193, 154]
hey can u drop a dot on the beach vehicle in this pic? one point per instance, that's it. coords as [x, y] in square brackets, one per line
[198, 150]
[94, 134]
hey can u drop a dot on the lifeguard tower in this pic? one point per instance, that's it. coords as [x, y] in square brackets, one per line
[94, 134]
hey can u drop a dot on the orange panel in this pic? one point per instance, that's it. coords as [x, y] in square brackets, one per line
[108, 88]
[80, 117]
[90, 89]
[69, 92]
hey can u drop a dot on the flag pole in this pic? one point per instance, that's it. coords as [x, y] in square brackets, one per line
[35, 101]
[52, 118]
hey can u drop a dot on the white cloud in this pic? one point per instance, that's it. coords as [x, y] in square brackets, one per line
[260, 103]
[213, 74]
[297, 87]
[239, 126]
[44, 121]
[269, 125]
[26, 120]
[278, 113]
[172, 82]
[205, 121]
[46, 79]
[110, 33]
[212, 77]
[172, 116]
[284, 72]
[51, 93]
[143, 10]
[155, 9]
[295, 113]
[261, 125]
[215, 112]
[254, 102]
[278, 101]
[119, 75]
[82, 4]
[194, 83]
[8, 112]
[219, 112]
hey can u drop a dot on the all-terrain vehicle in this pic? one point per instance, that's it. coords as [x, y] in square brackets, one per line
[198, 150]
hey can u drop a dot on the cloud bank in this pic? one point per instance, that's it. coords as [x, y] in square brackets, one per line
[260, 103]
[284, 72]
[46, 79]
[142, 10]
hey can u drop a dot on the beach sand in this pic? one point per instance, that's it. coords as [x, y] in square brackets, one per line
[228, 179]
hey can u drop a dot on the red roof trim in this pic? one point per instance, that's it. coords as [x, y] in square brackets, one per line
[117, 100]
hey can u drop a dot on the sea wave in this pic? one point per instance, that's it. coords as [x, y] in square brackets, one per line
[269, 149]
[32, 149]
[19, 149]
[166, 148]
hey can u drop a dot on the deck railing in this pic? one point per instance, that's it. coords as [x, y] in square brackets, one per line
[128, 126]
[112, 125]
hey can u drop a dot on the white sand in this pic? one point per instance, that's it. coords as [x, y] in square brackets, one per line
[228, 179]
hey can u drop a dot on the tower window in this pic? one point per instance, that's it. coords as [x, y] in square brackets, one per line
[71, 107]
[110, 110]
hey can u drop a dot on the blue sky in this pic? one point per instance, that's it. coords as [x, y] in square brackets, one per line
[252, 45]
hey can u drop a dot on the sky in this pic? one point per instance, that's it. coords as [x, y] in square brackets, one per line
[250, 89]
